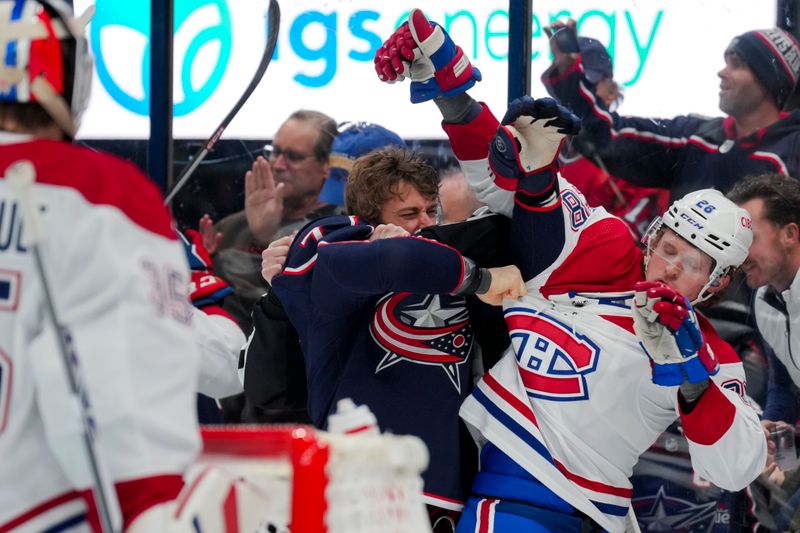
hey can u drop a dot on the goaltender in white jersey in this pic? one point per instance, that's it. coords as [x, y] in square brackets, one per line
[119, 279]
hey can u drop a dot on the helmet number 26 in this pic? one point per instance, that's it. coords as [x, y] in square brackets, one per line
[705, 206]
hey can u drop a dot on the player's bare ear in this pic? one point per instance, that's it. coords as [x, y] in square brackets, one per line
[792, 232]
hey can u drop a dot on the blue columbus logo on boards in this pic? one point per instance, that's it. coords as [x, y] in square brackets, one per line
[126, 23]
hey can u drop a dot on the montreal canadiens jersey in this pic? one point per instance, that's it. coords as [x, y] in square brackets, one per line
[376, 324]
[573, 402]
[118, 277]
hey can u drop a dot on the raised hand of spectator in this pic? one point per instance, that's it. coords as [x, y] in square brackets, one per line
[387, 231]
[211, 239]
[274, 257]
[561, 59]
[263, 200]
[506, 283]
[773, 474]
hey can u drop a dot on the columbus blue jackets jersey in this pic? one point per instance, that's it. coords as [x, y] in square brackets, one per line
[377, 324]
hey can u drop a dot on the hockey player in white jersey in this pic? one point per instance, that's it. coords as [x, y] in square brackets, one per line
[118, 277]
[607, 349]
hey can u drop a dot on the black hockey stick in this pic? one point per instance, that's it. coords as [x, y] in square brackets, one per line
[274, 22]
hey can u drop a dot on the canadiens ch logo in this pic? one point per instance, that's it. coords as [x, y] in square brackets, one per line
[430, 329]
[553, 359]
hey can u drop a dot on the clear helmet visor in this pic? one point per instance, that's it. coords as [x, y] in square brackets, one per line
[673, 260]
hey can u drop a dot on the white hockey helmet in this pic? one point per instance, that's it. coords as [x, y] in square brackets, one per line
[711, 223]
[46, 59]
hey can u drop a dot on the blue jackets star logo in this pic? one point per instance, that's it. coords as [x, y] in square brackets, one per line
[430, 329]
[661, 512]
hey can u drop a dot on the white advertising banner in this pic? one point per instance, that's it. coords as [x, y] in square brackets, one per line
[666, 52]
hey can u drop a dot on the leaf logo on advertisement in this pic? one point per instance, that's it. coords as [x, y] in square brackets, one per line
[201, 47]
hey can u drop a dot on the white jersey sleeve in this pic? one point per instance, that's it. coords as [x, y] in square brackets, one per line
[470, 143]
[723, 425]
[220, 340]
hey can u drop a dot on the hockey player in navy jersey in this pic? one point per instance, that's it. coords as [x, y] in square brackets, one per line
[607, 348]
[382, 318]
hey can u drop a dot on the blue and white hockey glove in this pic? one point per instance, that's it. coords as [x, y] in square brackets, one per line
[423, 51]
[523, 152]
[667, 327]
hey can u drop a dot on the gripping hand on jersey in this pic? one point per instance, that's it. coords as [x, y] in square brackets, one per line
[421, 50]
[669, 332]
[523, 152]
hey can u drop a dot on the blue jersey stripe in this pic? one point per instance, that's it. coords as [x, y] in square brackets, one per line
[512, 424]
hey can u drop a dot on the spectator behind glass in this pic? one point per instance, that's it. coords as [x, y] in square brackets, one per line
[772, 267]
[281, 195]
[456, 200]
[687, 153]
[635, 205]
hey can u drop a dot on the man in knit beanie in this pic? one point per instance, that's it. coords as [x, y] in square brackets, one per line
[773, 56]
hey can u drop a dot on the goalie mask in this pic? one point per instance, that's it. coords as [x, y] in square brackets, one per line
[711, 223]
[46, 59]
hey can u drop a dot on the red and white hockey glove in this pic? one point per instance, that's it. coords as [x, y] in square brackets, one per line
[435, 64]
[205, 288]
[397, 54]
[667, 327]
[523, 152]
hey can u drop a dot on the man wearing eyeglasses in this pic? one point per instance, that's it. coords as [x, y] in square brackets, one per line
[281, 195]
[298, 157]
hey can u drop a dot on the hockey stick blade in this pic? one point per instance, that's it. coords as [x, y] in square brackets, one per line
[274, 23]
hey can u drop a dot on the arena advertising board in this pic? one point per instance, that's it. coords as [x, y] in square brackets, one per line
[667, 54]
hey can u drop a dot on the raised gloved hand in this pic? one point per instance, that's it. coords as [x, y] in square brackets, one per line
[667, 327]
[423, 51]
[527, 143]
[397, 54]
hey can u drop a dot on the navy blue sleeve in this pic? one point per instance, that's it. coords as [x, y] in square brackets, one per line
[643, 151]
[537, 223]
[781, 402]
[402, 264]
